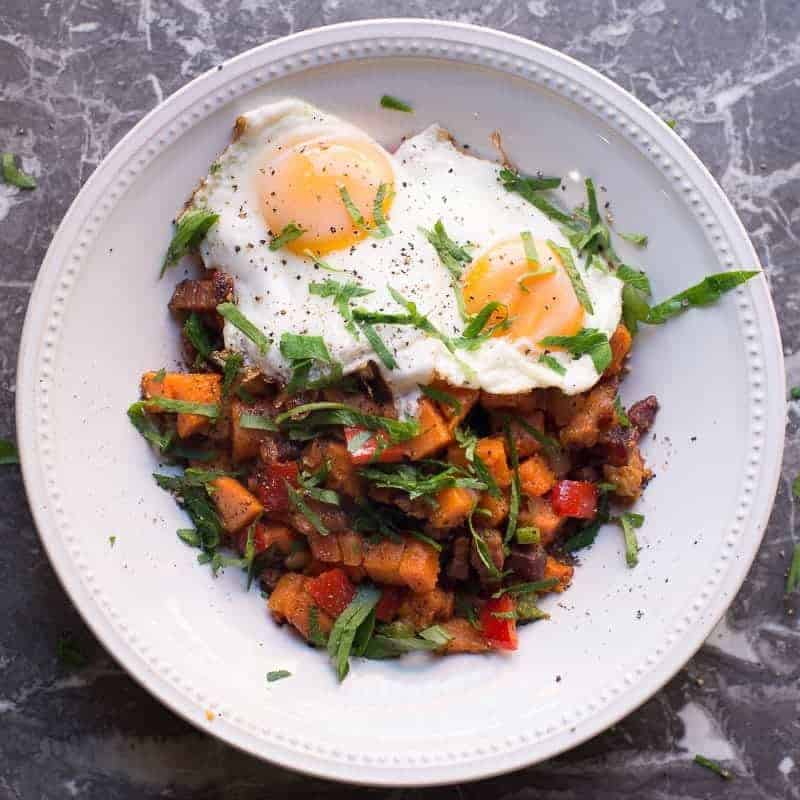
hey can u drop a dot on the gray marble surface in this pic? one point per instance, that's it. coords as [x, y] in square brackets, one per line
[77, 74]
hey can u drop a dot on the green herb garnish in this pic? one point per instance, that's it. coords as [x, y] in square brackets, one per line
[553, 363]
[416, 482]
[639, 239]
[708, 291]
[232, 314]
[635, 278]
[529, 188]
[168, 405]
[440, 396]
[112, 540]
[298, 503]
[622, 415]
[277, 675]
[714, 766]
[345, 629]
[528, 535]
[257, 422]
[69, 654]
[316, 635]
[513, 503]
[381, 229]
[289, 233]
[482, 550]
[526, 588]
[630, 522]
[13, 175]
[588, 341]
[427, 540]
[324, 414]
[190, 229]
[233, 364]
[378, 345]
[8, 452]
[793, 578]
[341, 294]
[392, 103]
[304, 354]
[198, 337]
[550, 444]
[574, 275]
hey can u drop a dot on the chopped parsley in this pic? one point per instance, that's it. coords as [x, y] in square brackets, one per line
[574, 275]
[713, 766]
[482, 550]
[391, 641]
[13, 175]
[442, 397]
[69, 653]
[8, 452]
[341, 294]
[529, 188]
[307, 353]
[528, 535]
[468, 442]
[289, 233]
[303, 421]
[543, 585]
[230, 371]
[630, 522]
[316, 635]
[622, 415]
[513, 503]
[417, 481]
[588, 341]
[357, 617]
[553, 363]
[257, 422]
[454, 257]
[277, 675]
[392, 103]
[232, 314]
[550, 444]
[708, 291]
[198, 337]
[190, 229]
[381, 229]
[793, 578]
[639, 239]
[167, 404]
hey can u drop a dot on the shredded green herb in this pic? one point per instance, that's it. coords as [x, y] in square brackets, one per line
[416, 481]
[529, 188]
[190, 229]
[714, 766]
[13, 175]
[622, 415]
[588, 341]
[277, 675]
[8, 453]
[341, 294]
[230, 371]
[346, 627]
[630, 522]
[639, 239]
[306, 354]
[443, 397]
[482, 550]
[526, 588]
[708, 291]
[232, 314]
[392, 103]
[513, 503]
[574, 275]
[289, 233]
[553, 363]
[198, 337]
[257, 422]
[528, 535]
[381, 229]
[168, 405]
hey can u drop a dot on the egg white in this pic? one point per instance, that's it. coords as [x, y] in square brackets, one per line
[433, 180]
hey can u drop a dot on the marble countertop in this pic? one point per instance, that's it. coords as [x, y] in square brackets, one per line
[77, 75]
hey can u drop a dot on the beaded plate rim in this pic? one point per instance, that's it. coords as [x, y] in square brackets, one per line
[337, 44]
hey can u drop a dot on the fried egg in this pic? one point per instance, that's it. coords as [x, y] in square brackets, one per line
[291, 164]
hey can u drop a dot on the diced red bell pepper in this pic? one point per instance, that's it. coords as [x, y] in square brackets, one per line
[271, 483]
[332, 591]
[364, 449]
[574, 499]
[498, 623]
[389, 604]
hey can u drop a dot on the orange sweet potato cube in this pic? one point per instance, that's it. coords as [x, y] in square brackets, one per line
[236, 506]
[434, 433]
[382, 561]
[562, 572]
[419, 566]
[453, 506]
[535, 476]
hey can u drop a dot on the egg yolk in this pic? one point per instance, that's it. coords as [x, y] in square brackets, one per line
[538, 306]
[302, 182]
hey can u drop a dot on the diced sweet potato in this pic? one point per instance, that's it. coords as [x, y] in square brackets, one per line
[236, 506]
[466, 399]
[526, 443]
[456, 456]
[453, 506]
[465, 637]
[630, 478]
[434, 433]
[343, 476]
[497, 508]
[422, 610]
[352, 548]
[419, 566]
[291, 601]
[245, 442]
[535, 477]
[492, 451]
[556, 569]
[382, 561]
[520, 403]
[537, 512]
[191, 387]
[325, 548]
[621, 341]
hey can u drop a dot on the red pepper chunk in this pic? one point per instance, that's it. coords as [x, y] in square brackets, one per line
[362, 450]
[574, 499]
[498, 623]
[332, 591]
[389, 604]
[270, 485]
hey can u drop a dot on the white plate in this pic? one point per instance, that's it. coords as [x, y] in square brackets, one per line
[98, 319]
